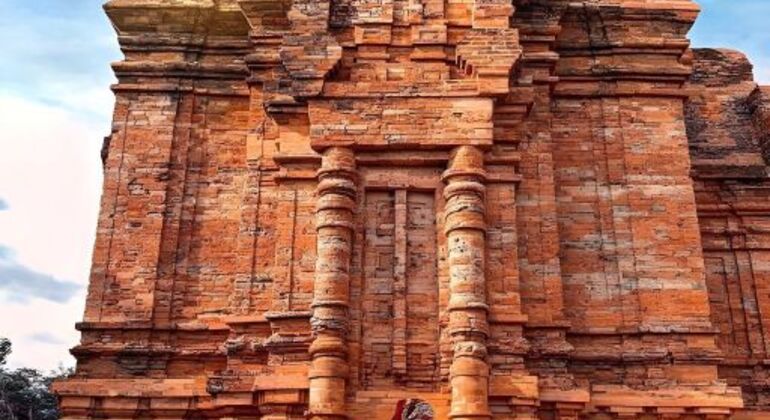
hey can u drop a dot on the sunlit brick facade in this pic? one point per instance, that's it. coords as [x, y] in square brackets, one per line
[506, 209]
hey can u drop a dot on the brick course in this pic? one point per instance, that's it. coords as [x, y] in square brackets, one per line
[504, 208]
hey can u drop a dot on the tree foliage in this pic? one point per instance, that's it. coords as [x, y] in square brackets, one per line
[5, 350]
[25, 393]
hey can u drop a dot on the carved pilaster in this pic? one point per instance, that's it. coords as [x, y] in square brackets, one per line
[468, 325]
[335, 224]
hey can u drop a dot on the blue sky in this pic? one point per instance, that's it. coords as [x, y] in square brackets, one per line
[55, 108]
[736, 24]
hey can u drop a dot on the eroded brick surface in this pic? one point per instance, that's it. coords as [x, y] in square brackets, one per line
[727, 124]
[504, 208]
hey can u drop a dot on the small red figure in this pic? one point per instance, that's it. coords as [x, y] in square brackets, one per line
[413, 410]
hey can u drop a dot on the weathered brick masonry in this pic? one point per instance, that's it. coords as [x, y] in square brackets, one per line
[506, 209]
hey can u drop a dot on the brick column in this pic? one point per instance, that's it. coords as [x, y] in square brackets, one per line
[468, 326]
[334, 224]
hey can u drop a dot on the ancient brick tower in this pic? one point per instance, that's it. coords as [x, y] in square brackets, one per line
[329, 209]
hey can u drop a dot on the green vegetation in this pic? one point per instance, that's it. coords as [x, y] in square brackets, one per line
[25, 393]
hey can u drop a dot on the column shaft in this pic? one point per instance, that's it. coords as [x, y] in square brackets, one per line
[468, 325]
[331, 294]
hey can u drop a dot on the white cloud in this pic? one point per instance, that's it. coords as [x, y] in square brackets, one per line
[50, 176]
[46, 338]
[22, 324]
[20, 284]
[55, 108]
